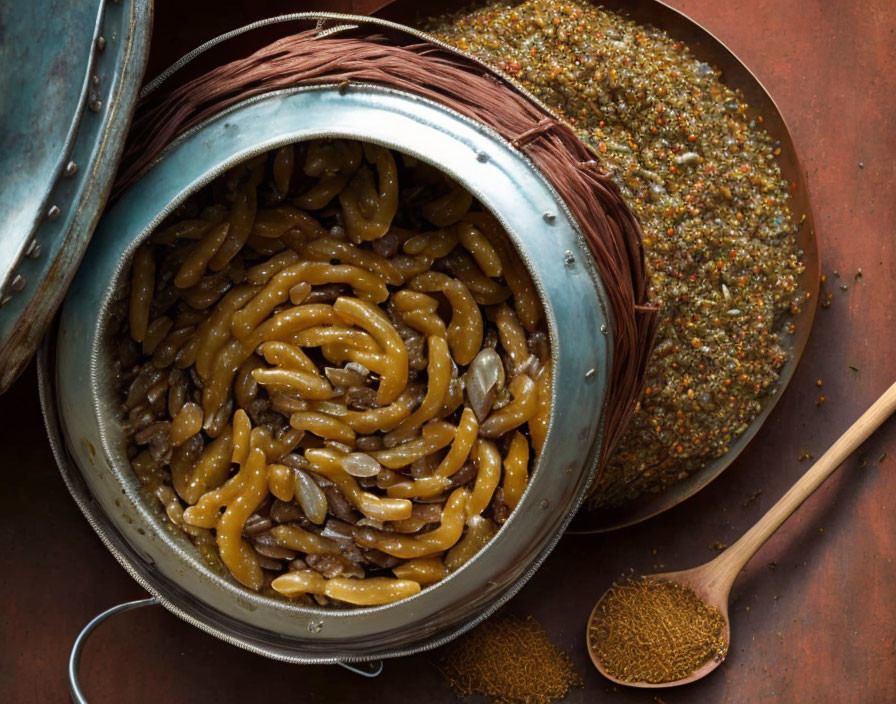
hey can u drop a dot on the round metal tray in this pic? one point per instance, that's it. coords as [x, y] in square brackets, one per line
[736, 75]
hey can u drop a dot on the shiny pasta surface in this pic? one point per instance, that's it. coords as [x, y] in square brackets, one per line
[335, 373]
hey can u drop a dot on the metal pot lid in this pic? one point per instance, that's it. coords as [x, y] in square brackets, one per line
[64, 114]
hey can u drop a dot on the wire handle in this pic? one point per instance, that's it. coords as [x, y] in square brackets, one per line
[364, 669]
[74, 660]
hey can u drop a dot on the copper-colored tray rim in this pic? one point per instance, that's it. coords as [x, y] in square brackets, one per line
[708, 48]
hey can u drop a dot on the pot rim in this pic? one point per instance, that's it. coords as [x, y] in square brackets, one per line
[576, 357]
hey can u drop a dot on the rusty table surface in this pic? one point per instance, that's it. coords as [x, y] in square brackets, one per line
[812, 615]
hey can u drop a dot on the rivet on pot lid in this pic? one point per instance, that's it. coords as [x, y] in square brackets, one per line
[569, 258]
[71, 168]
[53, 212]
[549, 218]
[33, 250]
[482, 157]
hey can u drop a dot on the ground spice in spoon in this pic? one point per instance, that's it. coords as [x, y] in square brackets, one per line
[651, 631]
[511, 660]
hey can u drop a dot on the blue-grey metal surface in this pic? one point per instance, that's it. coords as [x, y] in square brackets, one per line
[88, 441]
[69, 74]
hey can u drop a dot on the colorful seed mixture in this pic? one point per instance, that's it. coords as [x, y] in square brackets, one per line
[701, 175]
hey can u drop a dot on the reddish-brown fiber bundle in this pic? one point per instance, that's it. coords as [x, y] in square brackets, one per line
[387, 55]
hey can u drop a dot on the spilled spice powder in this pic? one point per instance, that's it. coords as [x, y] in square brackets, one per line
[511, 660]
[651, 631]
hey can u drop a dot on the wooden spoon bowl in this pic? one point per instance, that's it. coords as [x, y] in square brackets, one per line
[713, 580]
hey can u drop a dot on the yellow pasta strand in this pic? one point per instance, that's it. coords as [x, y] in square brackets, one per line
[520, 410]
[467, 432]
[439, 377]
[511, 334]
[143, 282]
[450, 208]
[283, 354]
[384, 418]
[326, 249]
[243, 562]
[373, 591]
[209, 472]
[242, 427]
[186, 423]
[489, 459]
[197, 259]
[276, 292]
[465, 329]
[295, 538]
[431, 244]
[214, 331]
[538, 424]
[287, 323]
[294, 381]
[373, 320]
[516, 470]
[431, 543]
[423, 488]
[323, 426]
[478, 245]
[436, 435]
[374, 223]
[423, 570]
[525, 295]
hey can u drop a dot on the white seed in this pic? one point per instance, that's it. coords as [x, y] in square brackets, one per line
[482, 381]
[310, 497]
[360, 464]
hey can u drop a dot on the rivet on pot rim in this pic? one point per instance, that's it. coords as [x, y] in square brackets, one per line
[315, 626]
[101, 43]
[544, 504]
[17, 283]
[95, 104]
[94, 80]
[569, 258]
[71, 168]
[590, 373]
[53, 212]
[482, 157]
[603, 328]
[549, 217]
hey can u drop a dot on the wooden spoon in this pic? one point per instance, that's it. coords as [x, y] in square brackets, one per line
[712, 582]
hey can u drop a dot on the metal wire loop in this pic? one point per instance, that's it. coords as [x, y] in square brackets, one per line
[365, 669]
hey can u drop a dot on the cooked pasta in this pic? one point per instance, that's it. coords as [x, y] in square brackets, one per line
[335, 374]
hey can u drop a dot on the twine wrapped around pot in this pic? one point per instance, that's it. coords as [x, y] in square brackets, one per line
[345, 50]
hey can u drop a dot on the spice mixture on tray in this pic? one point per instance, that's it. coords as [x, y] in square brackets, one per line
[701, 175]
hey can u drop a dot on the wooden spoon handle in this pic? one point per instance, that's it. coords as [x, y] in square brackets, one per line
[727, 565]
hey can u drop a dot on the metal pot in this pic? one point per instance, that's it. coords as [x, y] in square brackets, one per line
[81, 399]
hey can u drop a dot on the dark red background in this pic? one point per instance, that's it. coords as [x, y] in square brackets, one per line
[818, 627]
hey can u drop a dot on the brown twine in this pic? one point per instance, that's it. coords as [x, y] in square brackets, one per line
[403, 61]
